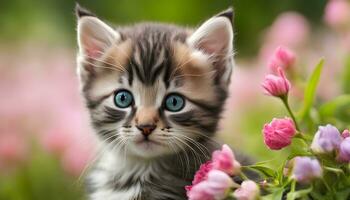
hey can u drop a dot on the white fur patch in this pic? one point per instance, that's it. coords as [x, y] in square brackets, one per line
[111, 164]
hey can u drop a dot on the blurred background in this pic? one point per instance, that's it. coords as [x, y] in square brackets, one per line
[45, 139]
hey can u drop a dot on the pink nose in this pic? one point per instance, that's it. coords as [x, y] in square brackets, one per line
[146, 129]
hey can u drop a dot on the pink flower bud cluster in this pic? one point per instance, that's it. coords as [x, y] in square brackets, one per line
[213, 179]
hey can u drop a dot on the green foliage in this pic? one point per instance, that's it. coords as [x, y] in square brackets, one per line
[299, 194]
[336, 111]
[275, 195]
[265, 171]
[40, 179]
[335, 181]
[54, 21]
[346, 76]
[310, 91]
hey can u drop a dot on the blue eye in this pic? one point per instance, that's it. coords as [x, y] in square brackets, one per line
[174, 102]
[123, 99]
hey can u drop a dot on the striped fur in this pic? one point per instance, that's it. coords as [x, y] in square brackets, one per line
[152, 60]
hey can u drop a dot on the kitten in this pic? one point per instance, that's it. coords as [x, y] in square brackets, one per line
[155, 93]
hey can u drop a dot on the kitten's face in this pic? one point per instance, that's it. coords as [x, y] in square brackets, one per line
[154, 89]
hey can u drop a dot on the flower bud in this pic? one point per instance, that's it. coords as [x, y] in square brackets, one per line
[214, 188]
[249, 190]
[277, 86]
[306, 169]
[326, 140]
[337, 13]
[201, 175]
[279, 133]
[344, 150]
[283, 57]
[225, 161]
[345, 133]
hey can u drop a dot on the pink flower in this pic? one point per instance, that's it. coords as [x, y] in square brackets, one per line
[201, 174]
[249, 190]
[279, 133]
[214, 188]
[13, 150]
[337, 13]
[283, 57]
[326, 140]
[200, 192]
[225, 161]
[277, 86]
[306, 169]
[344, 150]
[345, 133]
[289, 29]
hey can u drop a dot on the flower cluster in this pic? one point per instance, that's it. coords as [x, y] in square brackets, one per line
[213, 180]
[315, 156]
[329, 150]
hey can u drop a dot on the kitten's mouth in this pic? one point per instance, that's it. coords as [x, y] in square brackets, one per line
[147, 142]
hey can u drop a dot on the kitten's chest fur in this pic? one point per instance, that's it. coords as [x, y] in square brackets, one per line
[114, 177]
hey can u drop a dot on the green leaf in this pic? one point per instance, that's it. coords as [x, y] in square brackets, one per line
[310, 90]
[262, 169]
[298, 194]
[276, 195]
[265, 161]
[298, 148]
[335, 170]
[343, 194]
[280, 173]
[338, 108]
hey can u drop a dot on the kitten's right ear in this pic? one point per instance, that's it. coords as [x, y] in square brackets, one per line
[81, 12]
[94, 36]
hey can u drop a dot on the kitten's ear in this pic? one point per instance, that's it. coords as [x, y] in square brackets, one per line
[94, 36]
[215, 38]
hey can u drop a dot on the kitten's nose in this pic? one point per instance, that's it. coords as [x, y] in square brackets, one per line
[146, 129]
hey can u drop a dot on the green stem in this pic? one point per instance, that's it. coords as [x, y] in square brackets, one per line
[327, 186]
[285, 102]
[292, 187]
[290, 195]
[304, 139]
[244, 176]
[236, 185]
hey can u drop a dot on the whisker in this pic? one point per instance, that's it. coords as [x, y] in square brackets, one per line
[118, 68]
[105, 56]
[100, 152]
[102, 67]
[198, 145]
[178, 156]
[179, 67]
[195, 154]
[195, 75]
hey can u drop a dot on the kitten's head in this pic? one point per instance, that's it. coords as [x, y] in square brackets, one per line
[154, 89]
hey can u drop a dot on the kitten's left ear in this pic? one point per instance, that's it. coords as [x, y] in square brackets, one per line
[215, 38]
